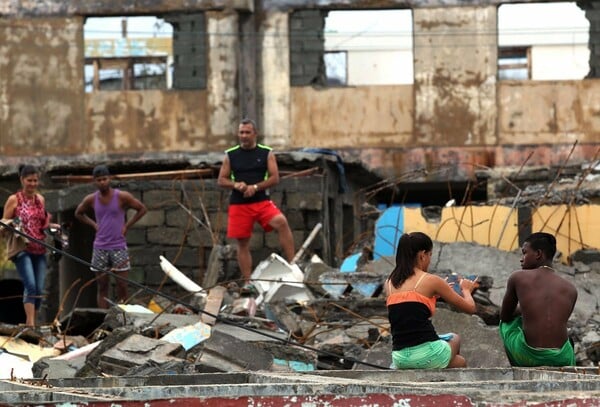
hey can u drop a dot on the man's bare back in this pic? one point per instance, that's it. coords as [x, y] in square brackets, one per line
[536, 307]
[546, 301]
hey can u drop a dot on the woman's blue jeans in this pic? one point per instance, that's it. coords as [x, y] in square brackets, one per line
[32, 269]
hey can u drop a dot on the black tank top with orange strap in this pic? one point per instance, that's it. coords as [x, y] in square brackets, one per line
[410, 313]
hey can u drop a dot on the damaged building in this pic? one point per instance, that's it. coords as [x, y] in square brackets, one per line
[460, 153]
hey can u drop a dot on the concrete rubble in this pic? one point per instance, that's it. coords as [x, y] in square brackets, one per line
[307, 318]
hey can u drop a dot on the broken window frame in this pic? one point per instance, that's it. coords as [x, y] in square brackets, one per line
[123, 56]
[516, 54]
[127, 67]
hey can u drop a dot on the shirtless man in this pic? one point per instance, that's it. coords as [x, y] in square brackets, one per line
[538, 336]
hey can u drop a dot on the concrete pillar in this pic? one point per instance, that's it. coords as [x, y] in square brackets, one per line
[275, 63]
[455, 51]
[223, 43]
[592, 13]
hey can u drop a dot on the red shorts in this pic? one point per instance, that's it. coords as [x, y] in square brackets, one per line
[242, 218]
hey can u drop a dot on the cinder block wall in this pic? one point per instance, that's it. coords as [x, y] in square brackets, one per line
[169, 230]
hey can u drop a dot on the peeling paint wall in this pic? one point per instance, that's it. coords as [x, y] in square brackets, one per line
[275, 65]
[455, 76]
[41, 86]
[536, 112]
[222, 72]
[369, 116]
[143, 121]
[454, 115]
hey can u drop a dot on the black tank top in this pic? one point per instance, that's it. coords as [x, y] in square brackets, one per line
[249, 166]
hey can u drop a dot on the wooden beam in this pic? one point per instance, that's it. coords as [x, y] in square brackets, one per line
[197, 173]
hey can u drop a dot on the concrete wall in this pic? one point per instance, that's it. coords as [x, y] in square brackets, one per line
[344, 117]
[169, 230]
[455, 113]
[575, 227]
[41, 86]
[532, 112]
[150, 120]
[455, 88]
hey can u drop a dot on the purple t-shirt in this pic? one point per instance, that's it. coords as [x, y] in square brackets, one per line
[110, 219]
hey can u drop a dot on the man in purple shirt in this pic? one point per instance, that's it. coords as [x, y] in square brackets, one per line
[109, 206]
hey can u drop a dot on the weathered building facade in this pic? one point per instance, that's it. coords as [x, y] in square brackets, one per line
[263, 59]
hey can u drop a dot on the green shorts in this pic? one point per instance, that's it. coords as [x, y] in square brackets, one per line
[521, 354]
[428, 355]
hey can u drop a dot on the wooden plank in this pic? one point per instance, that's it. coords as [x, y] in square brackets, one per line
[141, 175]
[213, 305]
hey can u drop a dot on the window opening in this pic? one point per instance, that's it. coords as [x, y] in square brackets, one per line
[127, 53]
[542, 41]
[378, 47]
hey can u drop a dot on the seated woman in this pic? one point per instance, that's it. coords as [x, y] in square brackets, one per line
[411, 297]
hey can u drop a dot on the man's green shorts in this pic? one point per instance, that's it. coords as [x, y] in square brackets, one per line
[521, 354]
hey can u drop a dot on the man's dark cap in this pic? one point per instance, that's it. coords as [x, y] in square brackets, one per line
[100, 171]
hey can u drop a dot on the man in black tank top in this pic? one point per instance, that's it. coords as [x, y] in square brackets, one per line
[249, 170]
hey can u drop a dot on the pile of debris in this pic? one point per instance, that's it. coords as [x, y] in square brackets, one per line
[302, 318]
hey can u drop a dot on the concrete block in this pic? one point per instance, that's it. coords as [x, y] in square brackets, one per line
[137, 274]
[257, 241]
[212, 200]
[230, 353]
[199, 237]
[164, 235]
[160, 198]
[165, 322]
[137, 350]
[145, 255]
[136, 236]
[299, 200]
[151, 218]
[184, 256]
[295, 219]
[178, 217]
[154, 274]
[313, 45]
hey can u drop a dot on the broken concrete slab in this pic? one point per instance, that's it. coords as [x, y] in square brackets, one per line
[137, 350]
[480, 344]
[228, 353]
[164, 322]
[65, 365]
[284, 317]
[379, 354]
